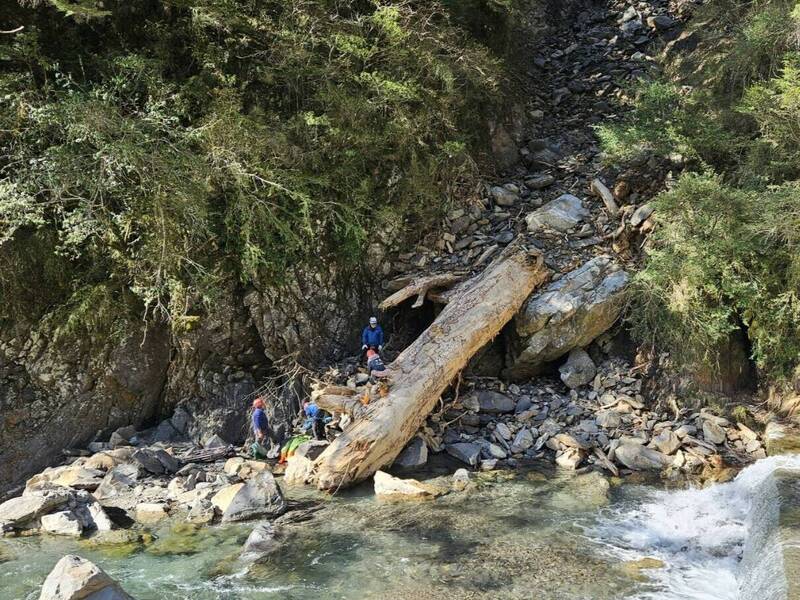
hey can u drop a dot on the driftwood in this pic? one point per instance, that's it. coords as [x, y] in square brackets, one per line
[419, 288]
[349, 405]
[424, 370]
[207, 454]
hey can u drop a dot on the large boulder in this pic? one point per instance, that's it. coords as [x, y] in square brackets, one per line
[18, 512]
[561, 214]
[76, 476]
[569, 313]
[62, 523]
[75, 578]
[301, 464]
[395, 489]
[259, 497]
[156, 460]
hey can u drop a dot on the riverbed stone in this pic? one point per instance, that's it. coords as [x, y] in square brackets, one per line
[259, 497]
[395, 489]
[667, 442]
[262, 542]
[461, 480]
[108, 459]
[156, 460]
[466, 452]
[24, 509]
[117, 486]
[570, 458]
[640, 458]
[75, 578]
[64, 522]
[493, 402]
[300, 465]
[75, 476]
[522, 441]
[149, 513]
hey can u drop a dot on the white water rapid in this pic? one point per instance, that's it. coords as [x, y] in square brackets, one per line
[724, 542]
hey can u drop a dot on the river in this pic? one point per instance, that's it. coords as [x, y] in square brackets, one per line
[534, 534]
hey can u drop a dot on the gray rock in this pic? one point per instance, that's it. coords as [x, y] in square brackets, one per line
[494, 402]
[116, 489]
[502, 196]
[62, 523]
[504, 149]
[259, 497]
[156, 460]
[165, 432]
[569, 313]
[667, 442]
[466, 452]
[493, 451]
[215, 442]
[504, 237]
[413, 456]
[712, 432]
[75, 578]
[561, 214]
[522, 441]
[661, 22]
[609, 419]
[641, 214]
[640, 458]
[21, 511]
[578, 370]
[180, 420]
[503, 431]
[262, 542]
[461, 480]
[540, 182]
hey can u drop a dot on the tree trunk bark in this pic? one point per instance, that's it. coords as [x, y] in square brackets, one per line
[424, 370]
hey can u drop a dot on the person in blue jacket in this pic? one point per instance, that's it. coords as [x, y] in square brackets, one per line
[372, 336]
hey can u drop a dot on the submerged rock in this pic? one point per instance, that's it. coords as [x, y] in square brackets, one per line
[262, 542]
[75, 578]
[392, 488]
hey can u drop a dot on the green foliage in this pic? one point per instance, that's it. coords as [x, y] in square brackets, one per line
[164, 145]
[725, 254]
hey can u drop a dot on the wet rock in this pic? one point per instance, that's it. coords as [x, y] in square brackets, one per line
[561, 214]
[149, 513]
[259, 497]
[156, 460]
[413, 456]
[640, 458]
[75, 578]
[262, 542]
[395, 489]
[578, 370]
[466, 452]
[461, 480]
[569, 313]
[570, 458]
[62, 523]
[201, 512]
[21, 511]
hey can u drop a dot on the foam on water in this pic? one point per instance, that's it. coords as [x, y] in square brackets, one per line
[702, 535]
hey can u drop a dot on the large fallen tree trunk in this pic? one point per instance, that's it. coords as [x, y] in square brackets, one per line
[424, 370]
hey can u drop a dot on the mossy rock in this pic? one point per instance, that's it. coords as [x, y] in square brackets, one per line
[118, 543]
[6, 554]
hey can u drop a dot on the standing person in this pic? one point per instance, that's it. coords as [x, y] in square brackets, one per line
[260, 428]
[372, 336]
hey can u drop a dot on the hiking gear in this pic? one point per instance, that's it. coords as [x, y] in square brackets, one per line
[372, 336]
[257, 451]
[290, 447]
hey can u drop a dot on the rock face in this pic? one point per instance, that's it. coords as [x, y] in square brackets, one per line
[259, 497]
[396, 489]
[569, 313]
[74, 578]
[54, 396]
